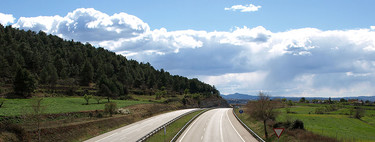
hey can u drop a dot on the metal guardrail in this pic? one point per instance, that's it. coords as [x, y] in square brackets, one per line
[248, 129]
[164, 125]
[186, 125]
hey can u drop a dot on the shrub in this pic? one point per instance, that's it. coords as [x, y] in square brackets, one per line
[319, 110]
[287, 110]
[99, 115]
[298, 124]
[359, 113]
[110, 108]
[126, 97]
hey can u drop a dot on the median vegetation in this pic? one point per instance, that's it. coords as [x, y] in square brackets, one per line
[172, 129]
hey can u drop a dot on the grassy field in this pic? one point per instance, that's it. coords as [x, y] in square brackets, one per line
[333, 124]
[13, 107]
[172, 129]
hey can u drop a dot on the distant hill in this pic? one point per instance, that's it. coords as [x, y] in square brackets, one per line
[49, 63]
[237, 97]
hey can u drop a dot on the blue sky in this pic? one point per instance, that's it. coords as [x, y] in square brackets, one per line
[209, 15]
[308, 48]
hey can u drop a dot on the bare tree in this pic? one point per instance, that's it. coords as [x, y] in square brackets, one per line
[37, 111]
[263, 109]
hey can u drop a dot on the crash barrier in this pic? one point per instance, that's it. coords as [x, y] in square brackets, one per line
[248, 129]
[164, 125]
[186, 125]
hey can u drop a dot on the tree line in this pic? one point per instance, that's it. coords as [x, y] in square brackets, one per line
[30, 59]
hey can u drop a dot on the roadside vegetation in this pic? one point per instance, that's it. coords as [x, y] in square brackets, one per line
[316, 120]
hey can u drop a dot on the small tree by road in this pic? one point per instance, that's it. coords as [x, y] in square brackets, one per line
[97, 99]
[87, 98]
[37, 112]
[263, 109]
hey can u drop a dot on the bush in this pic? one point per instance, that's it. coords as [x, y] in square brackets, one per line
[298, 124]
[319, 110]
[282, 124]
[99, 115]
[110, 108]
[287, 109]
[126, 97]
[359, 113]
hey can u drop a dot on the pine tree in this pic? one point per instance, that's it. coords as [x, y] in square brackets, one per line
[24, 83]
[87, 74]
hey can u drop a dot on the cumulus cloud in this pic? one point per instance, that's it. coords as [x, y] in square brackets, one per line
[87, 25]
[6, 19]
[244, 8]
[298, 62]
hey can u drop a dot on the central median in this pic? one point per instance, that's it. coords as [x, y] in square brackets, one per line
[172, 129]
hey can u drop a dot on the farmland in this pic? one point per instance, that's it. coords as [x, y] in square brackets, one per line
[338, 123]
[13, 107]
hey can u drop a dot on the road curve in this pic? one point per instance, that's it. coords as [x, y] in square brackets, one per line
[137, 130]
[217, 125]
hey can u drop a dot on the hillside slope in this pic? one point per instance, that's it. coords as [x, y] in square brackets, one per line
[72, 68]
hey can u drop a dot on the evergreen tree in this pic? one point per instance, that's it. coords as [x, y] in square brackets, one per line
[24, 83]
[87, 74]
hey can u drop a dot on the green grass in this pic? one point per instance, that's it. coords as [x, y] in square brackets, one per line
[334, 124]
[172, 129]
[13, 107]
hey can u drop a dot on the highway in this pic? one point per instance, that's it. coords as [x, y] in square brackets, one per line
[135, 131]
[217, 125]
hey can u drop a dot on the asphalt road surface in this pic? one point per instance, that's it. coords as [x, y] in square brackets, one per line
[137, 130]
[217, 125]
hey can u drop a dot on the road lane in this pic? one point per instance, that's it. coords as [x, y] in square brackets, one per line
[217, 125]
[137, 130]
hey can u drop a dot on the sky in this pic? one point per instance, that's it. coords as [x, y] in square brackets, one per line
[283, 47]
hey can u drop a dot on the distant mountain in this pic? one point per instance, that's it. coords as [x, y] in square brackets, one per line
[239, 96]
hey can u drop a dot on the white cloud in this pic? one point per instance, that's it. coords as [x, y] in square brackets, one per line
[244, 8]
[372, 27]
[6, 19]
[306, 61]
[87, 25]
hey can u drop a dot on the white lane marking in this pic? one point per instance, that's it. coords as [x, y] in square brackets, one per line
[234, 128]
[201, 137]
[196, 120]
[221, 128]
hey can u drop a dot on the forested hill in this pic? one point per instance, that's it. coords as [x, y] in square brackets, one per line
[51, 61]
